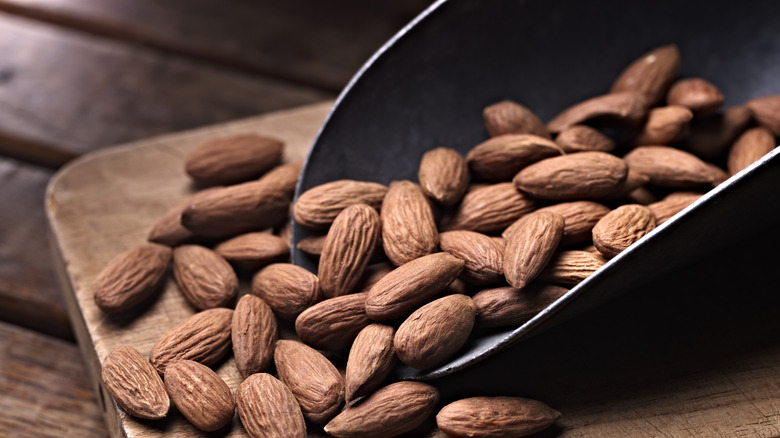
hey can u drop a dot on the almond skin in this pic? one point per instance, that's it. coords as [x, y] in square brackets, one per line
[408, 227]
[584, 175]
[254, 335]
[621, 108]
[312, 245]
[373, 274]
[332, 324]
[319, 206]
[665, 126]
[253, 250]
[489, 208]
[766, 111]
[569, 268]
[531, 245]
[583, 138]
[579, 217]
[233, 159]
[287, 289]
[672, 204]
[509, 307]
[204, 338]
[268, 409]
[495, 417]
[371, 359]
[700, 96]
[670, 167]
[348, 247]
[315, 382]
[500, 158]
[407, 287]
[200, 395]
[443, 175]
[432, 334]
[168, 229]
[131, 277]
[393, 410]
[507, 117]
[621, 227]
[749, 147]
[135, 384]
[205, 278]
[651, 74]
[482, 255]
[709, 138]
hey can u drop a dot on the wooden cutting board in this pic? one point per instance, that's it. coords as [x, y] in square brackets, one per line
[106, 202]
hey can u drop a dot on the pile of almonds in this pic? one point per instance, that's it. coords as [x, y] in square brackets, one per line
[407, 270]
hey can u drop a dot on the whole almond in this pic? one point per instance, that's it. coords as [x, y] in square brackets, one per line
[749, 147]
[229, 160]
[671, 205]
[634, 180]
[315, 382]
[312, 245]
[508, 307]
[131, 277]
[370, 361]
[408, 227]
[670, 167]
[407, 287]
[569, 268]
[579, 217]
[253, 250]
[621, 227]
[489, 208]
[665, 126]
[268, 409]
[203, 337]
[710, 137]
[583, 138]
[168, 229]
[531, 245]
[500, 158]
[391, 411]
[482, 255]
[135, 384]
[200, 395]
[620, 108]
[205, 278]
[507, 117]
[373, 274]
[254, 334]
[651, 74]
[495, 417]
[766, 111]
[700, 96]
[443, 175]
[584, 175]
[286, 288]
[348, 247]
[319, 206]
[432, 334]
[332, 324]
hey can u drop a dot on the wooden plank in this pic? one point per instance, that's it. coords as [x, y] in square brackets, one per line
[308, 41]
[46, 391]
[66, 93]
[30, 294]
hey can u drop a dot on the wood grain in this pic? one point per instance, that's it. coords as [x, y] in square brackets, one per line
[46, 390]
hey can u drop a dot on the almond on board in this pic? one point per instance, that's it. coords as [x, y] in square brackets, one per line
[253, 250]
[131, 277]
[288, 289]
[268, 409]
[200, 395]
[495, 417]
[135, 384]
[204, 337]
[253, 334]
[204, 277]
[233, 159]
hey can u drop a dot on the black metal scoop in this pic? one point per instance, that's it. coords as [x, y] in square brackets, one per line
[428, 85]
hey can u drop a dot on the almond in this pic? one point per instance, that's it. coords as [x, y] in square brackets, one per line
[569, 268]
[766, 111]
[579, 217]
[268, 409]
[168, 229]
[319, 206]
[443, 175]
[489, 208]
[482, 255]
[131, 277]
[700, 96]
[621, 227]
[312, 245]
[665, 126]
[373, 274]
[254, 335]
[393, 410]
[135, 384]
[651, 74]
[670, 167]
[749, 147]
[233, 159]
[253, 250]
[531, 245]
[432, 334]
[500, 158]
[204, 277]
[370, 361]
[287, 289]
[348, 247]
[710, 137]
[583, 138]
[408, 227]
[507, 117]
[406, 288]
[671, 205]
[495, 417]
[315, 382]
[584, 175]
[332, 324]
[203, 337]
[620, 108]
[200, 395]
[507, 306]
